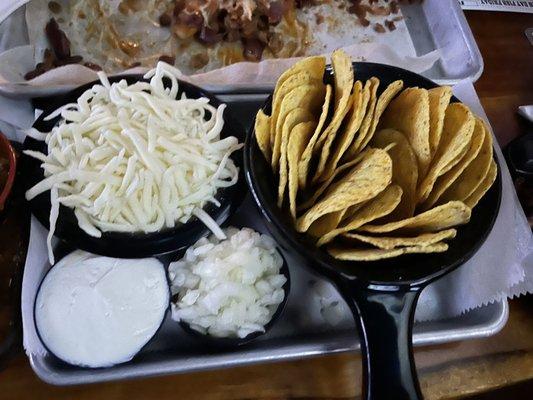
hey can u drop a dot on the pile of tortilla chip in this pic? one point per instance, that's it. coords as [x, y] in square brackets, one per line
[373, 172]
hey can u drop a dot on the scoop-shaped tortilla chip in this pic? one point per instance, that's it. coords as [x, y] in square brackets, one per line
[379, 254]
[442, 217]
[388, 242]
[292, 81]
[293, 118]
[313, 65]
[349, 129]
[303, 165]
[446, 180]
[308, 97]
[439, 98]
[298, 138]
[381, 104]
[363, 182]
[409, 114]
[372, 86]
[378, 207]
[326, 223]
[404, 169]
[316, 192]
[473, 175]
[343, 81]
[456, 136]
[262, 134]
[484, 186]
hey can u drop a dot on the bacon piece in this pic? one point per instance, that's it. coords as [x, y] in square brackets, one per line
[58, 40]
[253, 49]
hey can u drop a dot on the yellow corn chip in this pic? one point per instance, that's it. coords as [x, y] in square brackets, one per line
[378, 207]
[404, 170]
[381, 104]
[262, 134]
[308, 97]
[293, 118]
[317, 192]
[442, 217]
[354, 118]
[387, 243]
[409, 114]
[446, 180]
[372, 86]
[343, 80]
[303, 165]
[292, 81]
[439, 98]
[298, 138]
[483, 187]
[456, 136]
[325, 223]
[472, 176]
[379, 254]
[365, 181]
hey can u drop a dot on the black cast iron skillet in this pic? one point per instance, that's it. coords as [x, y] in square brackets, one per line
[381, 294]
[131, 245]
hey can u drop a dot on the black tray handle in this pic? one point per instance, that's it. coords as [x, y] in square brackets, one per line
[385, 321]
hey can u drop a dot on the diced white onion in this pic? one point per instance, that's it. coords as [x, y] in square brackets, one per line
[228, 288]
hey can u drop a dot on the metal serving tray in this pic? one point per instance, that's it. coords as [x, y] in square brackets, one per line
[460, 56]
[300, 331]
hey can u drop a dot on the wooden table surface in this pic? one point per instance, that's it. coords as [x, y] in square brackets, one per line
[455, 370]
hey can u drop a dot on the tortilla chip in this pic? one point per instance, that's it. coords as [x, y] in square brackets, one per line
[354, 118]
[387, 243]
[290, 82]
[439, 98]
[404, 170]
[372, 86]
[446, 180]
[379, 254]
[409, 114]
[456, 136]
[303, 165]
[483, 187]
[317, 192]
[298, 138]
[363, 182]
[343, 81]
[313, 65]
[442, 217]
[378, 207]
[293, 118]
[308, 97]
[325, 223]
[381, 104]
[473, 175]
[262, 134]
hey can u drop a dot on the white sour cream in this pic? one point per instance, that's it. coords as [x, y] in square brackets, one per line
[98, 311]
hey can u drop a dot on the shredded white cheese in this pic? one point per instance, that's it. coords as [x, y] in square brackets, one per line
[133, 158]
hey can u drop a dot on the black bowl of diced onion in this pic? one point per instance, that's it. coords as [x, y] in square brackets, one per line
[227, 340]
[132, 244]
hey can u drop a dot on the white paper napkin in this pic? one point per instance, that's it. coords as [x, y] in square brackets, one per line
[501, 268]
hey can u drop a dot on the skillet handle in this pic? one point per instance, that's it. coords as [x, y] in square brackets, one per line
[385, 321]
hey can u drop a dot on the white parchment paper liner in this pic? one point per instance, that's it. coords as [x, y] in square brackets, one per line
[19, 54]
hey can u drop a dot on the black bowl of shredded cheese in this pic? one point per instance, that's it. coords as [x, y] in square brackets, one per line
[134, 166]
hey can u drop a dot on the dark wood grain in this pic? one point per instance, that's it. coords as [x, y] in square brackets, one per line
[507, 80]
[446, 371]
